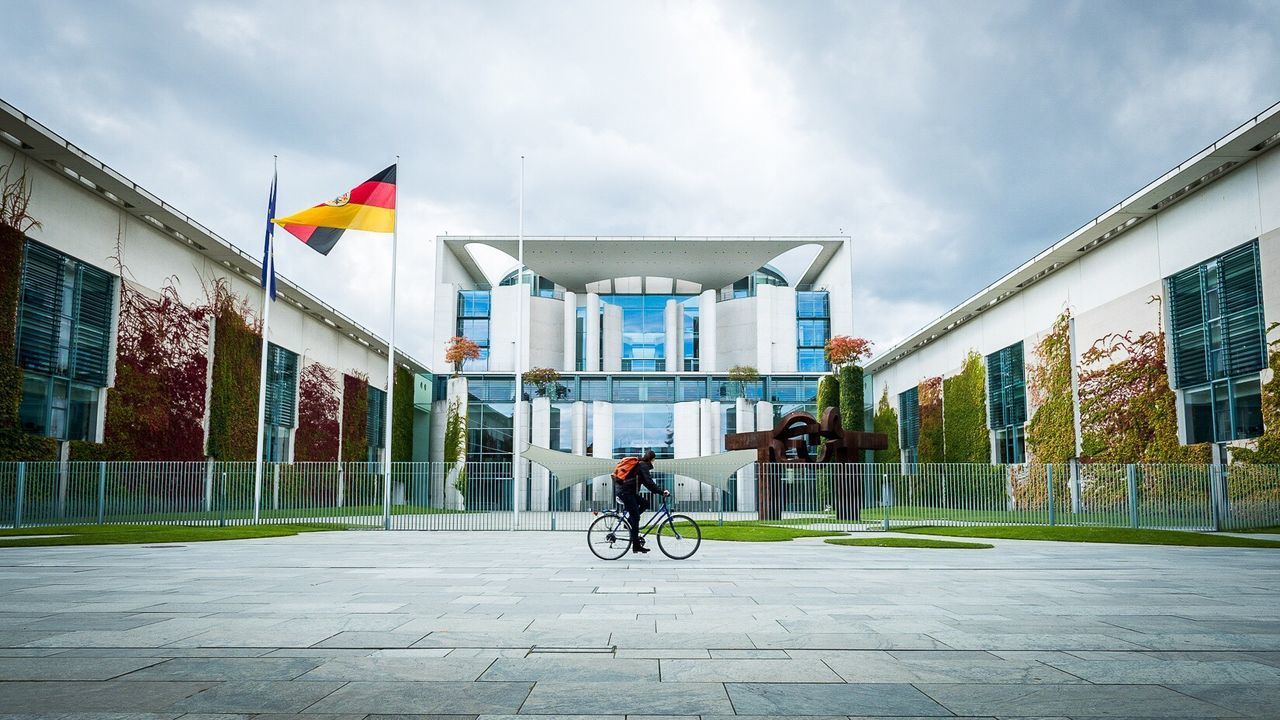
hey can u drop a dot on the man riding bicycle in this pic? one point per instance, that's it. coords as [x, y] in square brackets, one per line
[627, 490]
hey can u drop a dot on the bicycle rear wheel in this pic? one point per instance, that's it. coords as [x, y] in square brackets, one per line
[609, 537]
[679, 537]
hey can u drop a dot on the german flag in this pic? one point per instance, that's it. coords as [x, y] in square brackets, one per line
[370, 206]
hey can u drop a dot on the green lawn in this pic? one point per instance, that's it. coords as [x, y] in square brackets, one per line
[240, 512]
[1095, 535]
[747, 532]
[897, 542]
[152, 534]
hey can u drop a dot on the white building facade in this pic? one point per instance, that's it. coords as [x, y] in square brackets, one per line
[643, 332]
[98, 229]
[1194, 255]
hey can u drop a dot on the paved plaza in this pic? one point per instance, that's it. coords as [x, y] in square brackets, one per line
[491, 624]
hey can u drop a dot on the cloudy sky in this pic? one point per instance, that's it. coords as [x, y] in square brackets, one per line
[951, 140]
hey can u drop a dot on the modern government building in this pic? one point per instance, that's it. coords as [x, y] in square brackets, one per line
[643, 331]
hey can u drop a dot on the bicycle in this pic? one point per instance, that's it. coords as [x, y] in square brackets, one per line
[609, 535]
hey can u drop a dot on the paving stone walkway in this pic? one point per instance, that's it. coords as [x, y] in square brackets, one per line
[339, 626]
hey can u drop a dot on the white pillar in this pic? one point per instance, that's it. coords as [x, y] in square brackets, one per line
[579, 445]
[707, 332]
[686, 443]
[717, 428]
[706, 439]
[602, 447]
[592, 351]
[764, 328]
[540, 434]
[612, 330]
[522, 477]
[673, 327]
[570, 363]
[746, 418]
[764, 415]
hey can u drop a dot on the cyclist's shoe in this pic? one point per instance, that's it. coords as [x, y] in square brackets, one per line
[639, 548]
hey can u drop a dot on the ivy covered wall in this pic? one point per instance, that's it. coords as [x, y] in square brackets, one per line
[402, 417]
[316, 439]
[233, 397]
[1051, 434]
[828, 394]
[355, 418]
[931, 445]
[966, 437]
[886, 421]
[1128, 412]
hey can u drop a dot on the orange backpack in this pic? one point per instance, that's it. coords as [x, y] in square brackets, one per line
[624, 467]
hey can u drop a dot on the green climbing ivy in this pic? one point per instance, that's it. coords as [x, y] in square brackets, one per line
[1051, 435]
[402, 417]
[851, 397]
[1266, 449]
[886, 421]
[931, 444]
[355, 417]
[455, 443]
[966, 438]
[233, 397]
[828, 394]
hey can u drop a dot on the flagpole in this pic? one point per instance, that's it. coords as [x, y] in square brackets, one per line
[517, 467]
[269, 273]
[391, 365]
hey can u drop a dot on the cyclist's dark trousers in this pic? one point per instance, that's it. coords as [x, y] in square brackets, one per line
[631, 501]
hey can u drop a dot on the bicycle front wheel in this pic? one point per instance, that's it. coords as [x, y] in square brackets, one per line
[679, 537]
[609, 537]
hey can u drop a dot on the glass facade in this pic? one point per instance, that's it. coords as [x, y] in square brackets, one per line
[690, 333]
[813, 329]
[1007, 403]
[474, 307]
[376, 427]
[644, 330]
[1219, 345]
[65, 312]
[280, 415]
[909, 424]
[746, 287]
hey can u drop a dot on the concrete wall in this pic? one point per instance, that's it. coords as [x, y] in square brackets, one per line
[736, 333]
[1108, 289]
[546, 332]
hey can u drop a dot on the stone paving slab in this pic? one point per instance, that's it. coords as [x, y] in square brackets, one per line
[411, 626]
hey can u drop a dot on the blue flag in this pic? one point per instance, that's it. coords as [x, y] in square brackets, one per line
[268, 251]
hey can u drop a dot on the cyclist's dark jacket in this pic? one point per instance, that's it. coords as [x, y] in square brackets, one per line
[639, 475]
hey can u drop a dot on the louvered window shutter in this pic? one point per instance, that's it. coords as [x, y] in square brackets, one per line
[91, 345]
[1241, 292]
[41, 316]
[1186, 318]
[909, 412]
[377, 417]
[282, 387]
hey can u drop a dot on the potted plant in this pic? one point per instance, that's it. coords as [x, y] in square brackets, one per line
[543, 380]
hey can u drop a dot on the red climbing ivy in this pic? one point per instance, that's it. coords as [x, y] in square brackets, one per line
[1127, 410]
[317, 435]
[155, 410]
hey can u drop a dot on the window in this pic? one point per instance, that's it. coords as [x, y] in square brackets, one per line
[64, 337]
[813, 329]
[580, 344]
[722, 388]
[376, 428]
[474, 307]
[280, 414]
[693, 389]
[643, 426]
[491, 389]
[595, 389]
[1218, 345]
[1007, 402]
[644, 334]
[909, 423]
[692, 346]
[644, 390]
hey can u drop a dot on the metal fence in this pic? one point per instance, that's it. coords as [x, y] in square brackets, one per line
[483, 496]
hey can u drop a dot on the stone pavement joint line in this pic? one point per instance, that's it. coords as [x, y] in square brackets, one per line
[411, 626]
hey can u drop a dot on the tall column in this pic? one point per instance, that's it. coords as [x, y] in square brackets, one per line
[764, 414]
[706, 440]
[673, 327]
[540, 434]
[579, 447]
[746, 418]
[570, 363]
[523, 408]
[764, 328]
[612, 330]
[707, 332]
[456, 410]
[602, 447]
[717, 428]
[686, 443]
[592, 351]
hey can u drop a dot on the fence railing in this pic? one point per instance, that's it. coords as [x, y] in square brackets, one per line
[483, 496]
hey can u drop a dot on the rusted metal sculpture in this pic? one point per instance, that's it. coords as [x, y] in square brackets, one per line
[789, 442]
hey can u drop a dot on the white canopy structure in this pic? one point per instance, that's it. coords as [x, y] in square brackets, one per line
[572, 469]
